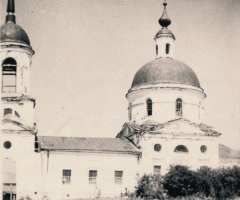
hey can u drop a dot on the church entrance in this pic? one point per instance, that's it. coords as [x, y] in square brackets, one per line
[9, 179]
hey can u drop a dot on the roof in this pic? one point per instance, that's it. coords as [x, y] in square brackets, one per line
[226, 152]
[119, 145]
[165, 70]
[11, 32]
[134, 132]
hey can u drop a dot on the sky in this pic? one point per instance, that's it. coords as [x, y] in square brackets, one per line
[88, 51]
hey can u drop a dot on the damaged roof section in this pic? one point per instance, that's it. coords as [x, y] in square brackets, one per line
[118, 145]
[134, 132]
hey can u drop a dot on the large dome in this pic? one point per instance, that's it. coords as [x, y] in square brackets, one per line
[11, 32]
[165, 70]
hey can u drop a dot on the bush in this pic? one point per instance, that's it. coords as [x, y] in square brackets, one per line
[181, 182]
[150, 187]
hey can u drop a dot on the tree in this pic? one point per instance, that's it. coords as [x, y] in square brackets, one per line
[180, 181]
[150, 187]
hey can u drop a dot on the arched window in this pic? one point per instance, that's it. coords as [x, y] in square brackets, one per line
[181, 149]
[7, 113]
[9, 72]
[149, 107]
[179, 107]
[167, 48]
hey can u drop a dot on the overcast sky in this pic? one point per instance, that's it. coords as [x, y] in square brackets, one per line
[88, 51]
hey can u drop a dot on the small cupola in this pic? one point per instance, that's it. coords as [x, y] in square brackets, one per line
[10, 31]
[164, 38]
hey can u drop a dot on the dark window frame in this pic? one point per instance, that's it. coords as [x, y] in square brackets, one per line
[203, 149]
[118, 177]
[181, 149]
[92, 176]
[9, 69]
[167, 50]
[157, 147]
[157, 170]
[179, 110]
[66, 176]
[149, 107]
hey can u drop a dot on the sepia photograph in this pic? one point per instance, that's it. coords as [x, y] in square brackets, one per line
[120, 99]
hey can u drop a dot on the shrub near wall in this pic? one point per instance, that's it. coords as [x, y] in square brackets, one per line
[181, 182]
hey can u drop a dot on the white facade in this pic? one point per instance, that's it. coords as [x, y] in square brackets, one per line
[164, 98]
[80, 163]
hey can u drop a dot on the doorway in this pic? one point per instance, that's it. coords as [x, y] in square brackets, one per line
[9, 179]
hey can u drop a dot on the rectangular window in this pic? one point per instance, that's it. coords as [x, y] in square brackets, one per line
[156, 170]
[66, 179]
[118, 177]
[92, 176]
[9, 79]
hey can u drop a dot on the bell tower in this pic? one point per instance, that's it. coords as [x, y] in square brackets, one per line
[19, 136]
[16, 54]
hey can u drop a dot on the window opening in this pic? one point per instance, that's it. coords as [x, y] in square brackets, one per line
[181, 149]
[156, 170]
[9, 72]
[7, 145]
[157, 147]
[66, 179]
[167, 48]
[156, 49]
[203, 148]
[179, 107]
[118, 177]
[92, 176]
[149, 107]
[130, 111]
[16, 114]
[7, 113]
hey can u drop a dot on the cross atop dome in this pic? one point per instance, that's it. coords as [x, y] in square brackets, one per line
[10, 11]
[164, 21]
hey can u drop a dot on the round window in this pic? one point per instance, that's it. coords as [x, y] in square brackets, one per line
[157, 147]
[7, 145]
[203, 148]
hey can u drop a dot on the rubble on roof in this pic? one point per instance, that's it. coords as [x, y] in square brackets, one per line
[134, 132]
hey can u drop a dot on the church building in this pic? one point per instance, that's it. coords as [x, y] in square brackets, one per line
[164, 128]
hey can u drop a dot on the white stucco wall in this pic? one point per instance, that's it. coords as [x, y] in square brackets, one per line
[28, 177]
[80, 163]
[164, 102]
[166, 157]
[25, 109]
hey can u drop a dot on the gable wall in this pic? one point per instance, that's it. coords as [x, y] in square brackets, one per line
[166, 157]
